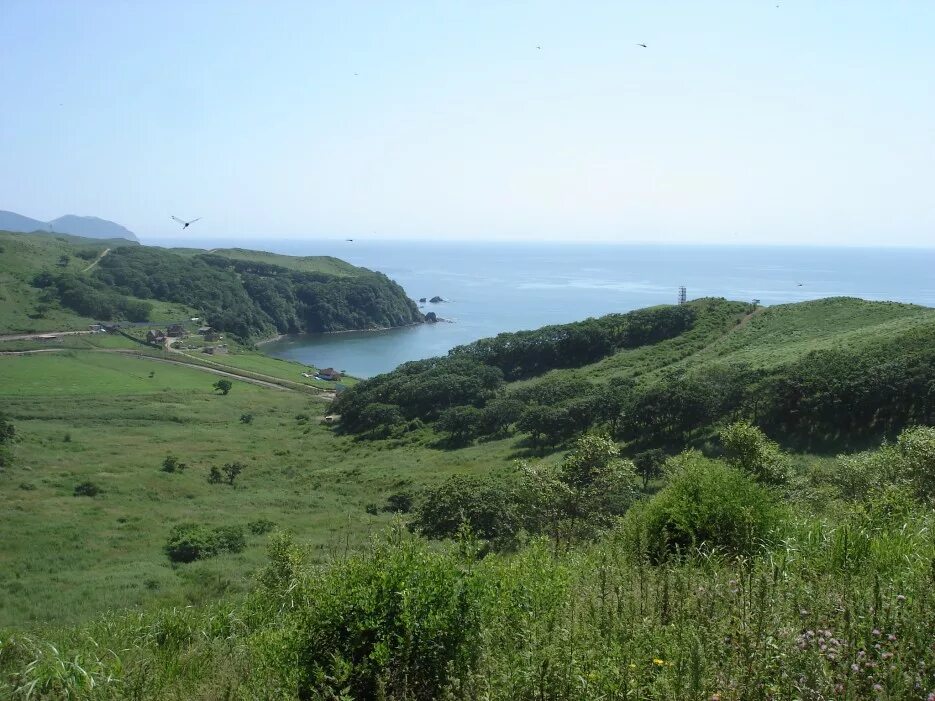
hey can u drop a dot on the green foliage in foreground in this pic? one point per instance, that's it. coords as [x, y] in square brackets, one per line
[835, 609]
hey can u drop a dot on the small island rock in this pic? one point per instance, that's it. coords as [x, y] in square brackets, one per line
[436, 299]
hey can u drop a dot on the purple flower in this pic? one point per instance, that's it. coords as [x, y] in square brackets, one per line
[878, 688]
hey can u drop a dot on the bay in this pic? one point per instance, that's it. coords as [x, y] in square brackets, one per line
[491, 287]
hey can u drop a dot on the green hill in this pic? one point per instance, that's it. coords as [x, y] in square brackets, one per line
[65, 282]
[826, 371]
[153, 519]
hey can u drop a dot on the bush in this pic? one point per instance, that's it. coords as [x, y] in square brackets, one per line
[172, 464]
[400, 503]
[916, 447]
[87, 489]
[706, 504]
[246, 418]
[261, 526]
[223, 386]
[397, 623]
[747, 447]
[191, 541]
[487, 505]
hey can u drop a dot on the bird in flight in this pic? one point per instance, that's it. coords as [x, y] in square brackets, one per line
[185, 224]
[643, 45]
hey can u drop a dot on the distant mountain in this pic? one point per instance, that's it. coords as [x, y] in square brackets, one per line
[89, 227]
[11, 221]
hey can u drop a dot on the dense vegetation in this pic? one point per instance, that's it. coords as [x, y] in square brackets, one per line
[470, 375]
[691, 370]
[250, 299]
[61, 283]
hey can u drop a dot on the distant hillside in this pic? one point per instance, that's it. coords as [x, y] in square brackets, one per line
[91, 227]
[88, 227]
[62, 282]
[826, 372]
[11, 221]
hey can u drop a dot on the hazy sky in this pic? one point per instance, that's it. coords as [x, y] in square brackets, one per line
[811, 122]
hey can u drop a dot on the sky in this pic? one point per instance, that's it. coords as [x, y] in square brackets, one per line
[740, 122]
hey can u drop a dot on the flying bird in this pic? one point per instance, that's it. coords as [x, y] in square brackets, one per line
[185, 224]
[643, 45]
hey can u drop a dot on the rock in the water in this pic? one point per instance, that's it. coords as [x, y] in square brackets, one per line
[436, 299]
[431, 318]
[422, 299]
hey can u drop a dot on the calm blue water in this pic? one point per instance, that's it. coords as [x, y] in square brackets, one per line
[495, 287]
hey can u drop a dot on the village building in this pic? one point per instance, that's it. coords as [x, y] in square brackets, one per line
[329, 374]
[155, 336]
[216, 350]
[175, 331]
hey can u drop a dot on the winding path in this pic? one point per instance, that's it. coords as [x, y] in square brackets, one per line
[96, 260]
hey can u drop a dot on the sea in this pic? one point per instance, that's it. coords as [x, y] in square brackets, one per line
[489, 287]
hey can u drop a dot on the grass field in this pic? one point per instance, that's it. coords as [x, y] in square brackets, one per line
[100, 417]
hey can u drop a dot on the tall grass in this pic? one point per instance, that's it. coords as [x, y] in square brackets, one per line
[841, 609]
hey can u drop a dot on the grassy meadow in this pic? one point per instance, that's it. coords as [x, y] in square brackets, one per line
[111, 419]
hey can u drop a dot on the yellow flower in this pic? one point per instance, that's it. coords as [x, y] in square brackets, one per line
[632, 666]
[658, 662]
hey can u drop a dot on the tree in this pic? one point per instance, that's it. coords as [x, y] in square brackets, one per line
[231, 470]
[214, 475]
[223, 386]
[488, 506]
[246, 418]
[649, 464]
[584, 494]
[615, 401]
[460, 422]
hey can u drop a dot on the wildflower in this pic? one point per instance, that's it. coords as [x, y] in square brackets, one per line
[878, 688]
[855, 667]
[891, 638]
[658, 662]
[632, 666]
[875, 632]
[717, 697]
[900, 598]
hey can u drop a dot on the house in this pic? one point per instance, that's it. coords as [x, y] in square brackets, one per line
[175, 331]
[205, 329]
[96, 328]
[111, 328]
[212, 336]
[329, 374]
[156, 337]
[216, 350]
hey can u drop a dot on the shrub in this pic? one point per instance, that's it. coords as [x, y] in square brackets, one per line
[229, 539]
[223, 386]
[172, 464]
[261, 526]
[87, 489]
[706, 504]
[487, 505]
[401, 503]
[748, 448]
[214, 475]
[246, 418]
[191, 541]
[397, 623]
[916, 447]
